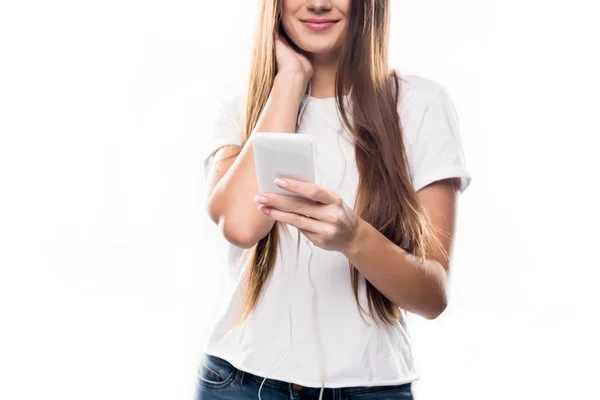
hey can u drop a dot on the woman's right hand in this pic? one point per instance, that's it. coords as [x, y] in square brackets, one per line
[290, 61]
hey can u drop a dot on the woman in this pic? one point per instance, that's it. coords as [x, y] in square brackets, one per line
[326, 316]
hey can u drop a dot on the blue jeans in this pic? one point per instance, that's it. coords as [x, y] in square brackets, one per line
[219, 380]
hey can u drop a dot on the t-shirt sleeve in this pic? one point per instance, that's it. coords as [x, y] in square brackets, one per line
[227, 129]
[438, 151]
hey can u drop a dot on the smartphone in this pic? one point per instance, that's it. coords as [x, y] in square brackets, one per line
[283, 155]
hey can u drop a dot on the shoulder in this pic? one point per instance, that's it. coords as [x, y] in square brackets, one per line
[418, 94]
[418, 91]
[231, 103]
[230, 110]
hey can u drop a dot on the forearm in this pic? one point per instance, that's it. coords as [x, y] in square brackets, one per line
[232, 198]
[398, 274]
[281, 110]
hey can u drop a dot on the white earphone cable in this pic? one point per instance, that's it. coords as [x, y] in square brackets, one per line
[290, 318]
[295, 270]
[314, 298]
[316, 325]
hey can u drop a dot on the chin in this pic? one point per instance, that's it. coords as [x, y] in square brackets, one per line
[317, 46]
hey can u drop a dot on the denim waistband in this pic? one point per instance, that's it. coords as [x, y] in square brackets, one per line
[287, 387]
[292, 390]
[274, 383]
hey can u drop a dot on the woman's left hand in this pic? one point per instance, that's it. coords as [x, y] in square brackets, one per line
[323, 217]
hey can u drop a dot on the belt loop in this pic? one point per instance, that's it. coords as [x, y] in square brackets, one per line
[239, 377]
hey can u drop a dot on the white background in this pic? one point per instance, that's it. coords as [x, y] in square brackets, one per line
[108, 259]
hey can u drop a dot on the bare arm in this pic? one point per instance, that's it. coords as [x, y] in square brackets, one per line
[399, 275]
[417, 287]
[232, 181]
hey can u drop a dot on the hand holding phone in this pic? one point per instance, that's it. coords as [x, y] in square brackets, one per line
[282, 155]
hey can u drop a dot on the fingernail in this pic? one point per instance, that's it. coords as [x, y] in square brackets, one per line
[280, 182]
[260, 199]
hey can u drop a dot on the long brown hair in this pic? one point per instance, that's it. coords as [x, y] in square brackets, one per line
[385, 198]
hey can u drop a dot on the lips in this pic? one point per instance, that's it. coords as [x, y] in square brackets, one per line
[319, 21]
[319, 24]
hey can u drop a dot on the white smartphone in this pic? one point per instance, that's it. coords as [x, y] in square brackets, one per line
[283, 155]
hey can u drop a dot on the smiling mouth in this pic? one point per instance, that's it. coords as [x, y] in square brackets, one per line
[319, 24]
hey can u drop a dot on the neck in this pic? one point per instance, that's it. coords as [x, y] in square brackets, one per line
[323, 78]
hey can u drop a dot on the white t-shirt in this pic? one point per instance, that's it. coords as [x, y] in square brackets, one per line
[356, 352]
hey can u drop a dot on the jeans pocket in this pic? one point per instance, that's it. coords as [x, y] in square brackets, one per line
[214, 372]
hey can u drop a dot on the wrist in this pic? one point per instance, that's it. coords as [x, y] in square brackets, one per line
[358, 240]
[290, 83]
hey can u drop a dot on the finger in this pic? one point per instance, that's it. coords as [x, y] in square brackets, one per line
[307, 189]
[296, 205]
[299, 221]
[313, 237]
